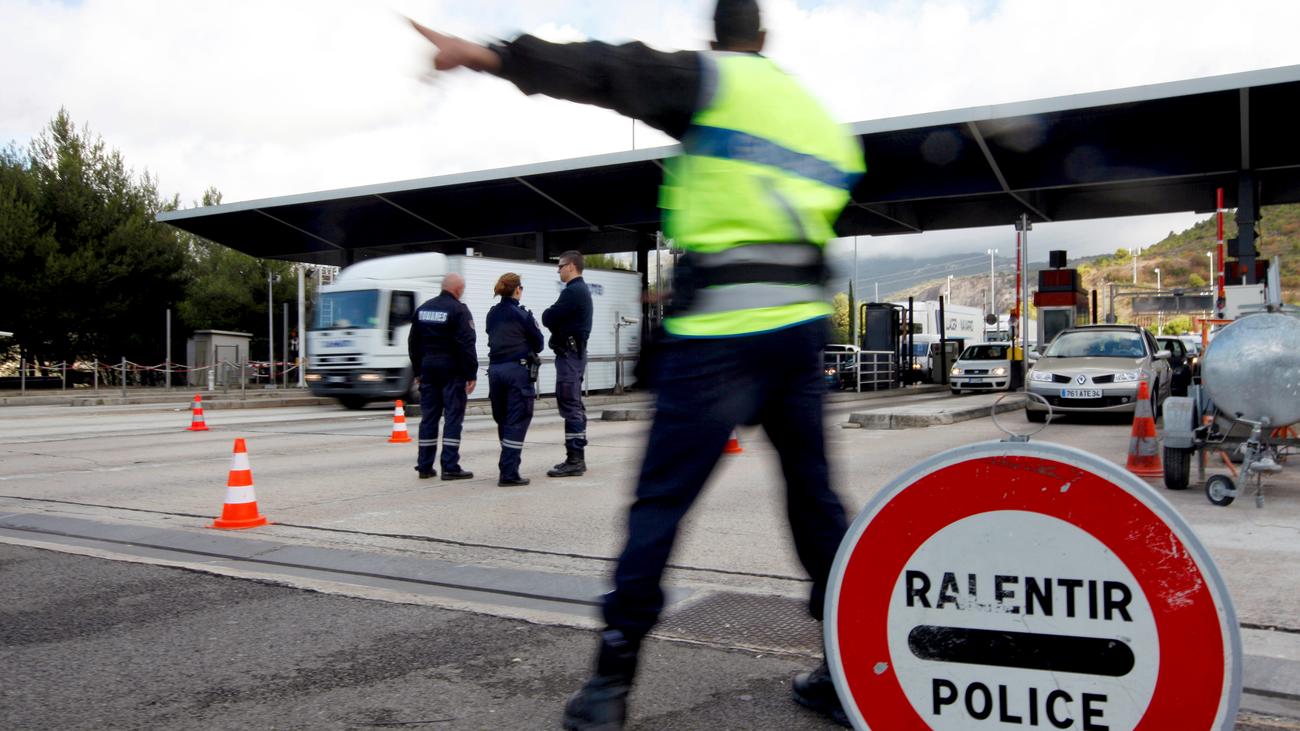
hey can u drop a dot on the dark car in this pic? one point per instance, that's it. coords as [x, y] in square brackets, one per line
[1180, 364]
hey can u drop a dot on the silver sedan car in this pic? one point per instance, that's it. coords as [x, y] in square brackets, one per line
[1097, 368]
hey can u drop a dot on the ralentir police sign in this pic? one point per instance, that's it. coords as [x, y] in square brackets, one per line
[1029, 586]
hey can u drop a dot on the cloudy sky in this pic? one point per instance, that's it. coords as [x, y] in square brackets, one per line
[263, 98]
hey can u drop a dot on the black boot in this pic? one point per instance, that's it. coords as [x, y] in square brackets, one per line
[816, 690]
[601, 704]
[572, 466]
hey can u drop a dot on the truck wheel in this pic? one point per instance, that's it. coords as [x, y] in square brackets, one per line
[1220, 490]
[353, 402]
[1178, 467]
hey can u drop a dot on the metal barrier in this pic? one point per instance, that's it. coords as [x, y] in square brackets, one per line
[864, 370]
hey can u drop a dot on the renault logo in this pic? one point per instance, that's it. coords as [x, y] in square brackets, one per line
[1082, 379]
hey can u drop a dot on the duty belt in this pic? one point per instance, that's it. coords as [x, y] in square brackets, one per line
[749, 276]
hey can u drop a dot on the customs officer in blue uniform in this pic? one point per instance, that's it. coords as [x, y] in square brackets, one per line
[514, 340]
[569, 321]
[441, 347]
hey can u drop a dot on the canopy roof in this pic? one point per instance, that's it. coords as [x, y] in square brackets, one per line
[1152, 149]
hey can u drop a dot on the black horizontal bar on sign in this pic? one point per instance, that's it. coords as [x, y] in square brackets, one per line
[1026, 650]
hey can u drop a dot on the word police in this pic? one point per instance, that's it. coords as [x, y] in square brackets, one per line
[1105, 600]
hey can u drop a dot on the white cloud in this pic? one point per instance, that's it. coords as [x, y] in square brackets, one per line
[263, 99]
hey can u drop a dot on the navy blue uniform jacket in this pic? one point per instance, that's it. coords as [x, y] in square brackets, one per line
[570, 316]
[442, 339]
[512, 332]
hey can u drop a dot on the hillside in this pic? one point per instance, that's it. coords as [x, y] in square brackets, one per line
[1179, 256]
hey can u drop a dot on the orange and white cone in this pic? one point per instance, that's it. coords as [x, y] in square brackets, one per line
[240, 510]
[399, 424]
[196, 418]
[1143, 446]
[733, 445]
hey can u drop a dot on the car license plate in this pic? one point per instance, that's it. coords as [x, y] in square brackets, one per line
[336, 379]
[1080, 393]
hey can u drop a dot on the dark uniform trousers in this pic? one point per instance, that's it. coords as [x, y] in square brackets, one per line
[512, 395]
[706, 387]
[569, 367]
[440, 394]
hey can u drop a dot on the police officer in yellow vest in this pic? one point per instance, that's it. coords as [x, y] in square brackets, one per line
[752, 200]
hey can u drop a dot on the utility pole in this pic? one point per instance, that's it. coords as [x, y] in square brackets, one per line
[270, 330]
[993, 300]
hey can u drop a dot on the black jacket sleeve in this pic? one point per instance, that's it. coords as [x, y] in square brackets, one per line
[414, 346]
[465, 339]
[659, 88]
[532, 332]
[561, 314]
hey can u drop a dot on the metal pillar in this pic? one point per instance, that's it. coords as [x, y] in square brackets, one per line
[539, 246]
[1024, 227]
[284, 372]
[167, 359]
[302, 328]
[1247, 217]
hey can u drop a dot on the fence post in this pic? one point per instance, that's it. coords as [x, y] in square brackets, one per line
[124, 376]
[22, 375]
[97, 376]
[243, 380]
[65, 375]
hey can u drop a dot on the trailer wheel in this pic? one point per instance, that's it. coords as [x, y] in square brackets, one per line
[1220, 490]
[1178, 467]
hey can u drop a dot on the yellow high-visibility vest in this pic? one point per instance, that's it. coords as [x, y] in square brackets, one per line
[765, 172]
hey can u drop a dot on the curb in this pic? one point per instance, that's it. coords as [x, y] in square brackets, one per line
[903, 418]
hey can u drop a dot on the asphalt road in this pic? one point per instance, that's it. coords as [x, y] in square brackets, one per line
[452, 573]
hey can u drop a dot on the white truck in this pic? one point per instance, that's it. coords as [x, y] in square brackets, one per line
[356, 346]
[962, 326]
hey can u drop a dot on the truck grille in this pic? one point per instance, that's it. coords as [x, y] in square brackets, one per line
[339, 359]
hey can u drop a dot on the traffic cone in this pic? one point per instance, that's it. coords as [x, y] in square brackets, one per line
[733, 445]
[399, 425]
[1143, 447]
[196, 418]
[240, 510]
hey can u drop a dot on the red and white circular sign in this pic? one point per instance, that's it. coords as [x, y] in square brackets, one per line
[1029, 586]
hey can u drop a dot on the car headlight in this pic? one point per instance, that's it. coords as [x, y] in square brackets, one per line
[1040, 376]
[955, 371]
[1128, 376]
[999, 371]
[312, 377]
[830, 371]
[371, 377]
[916, 366]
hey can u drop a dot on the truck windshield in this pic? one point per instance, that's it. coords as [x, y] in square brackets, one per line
[355, 309]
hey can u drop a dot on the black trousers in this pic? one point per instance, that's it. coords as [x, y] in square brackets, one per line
[706, 387]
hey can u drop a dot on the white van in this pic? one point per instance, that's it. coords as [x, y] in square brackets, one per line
[356, 345]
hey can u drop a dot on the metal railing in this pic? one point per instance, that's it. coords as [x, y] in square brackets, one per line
[864, 370]
[123, 374]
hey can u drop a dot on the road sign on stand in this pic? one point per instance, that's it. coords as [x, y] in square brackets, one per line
[1029, 586]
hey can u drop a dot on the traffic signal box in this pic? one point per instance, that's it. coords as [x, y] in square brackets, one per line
[1061, 300]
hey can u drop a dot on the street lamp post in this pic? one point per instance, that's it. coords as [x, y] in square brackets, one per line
[1211, 255]
[993, 301]
[1160, 315]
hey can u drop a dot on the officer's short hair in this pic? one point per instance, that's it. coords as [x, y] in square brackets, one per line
[572, 257]
[736, 21]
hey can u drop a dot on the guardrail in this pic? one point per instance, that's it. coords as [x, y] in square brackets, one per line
[863, 370]
[125, 373]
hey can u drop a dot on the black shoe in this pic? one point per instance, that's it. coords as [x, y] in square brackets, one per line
[601, 704]
[457, 474]
[573, 466]
[816, 690]
[513, 482]
[426, 474]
